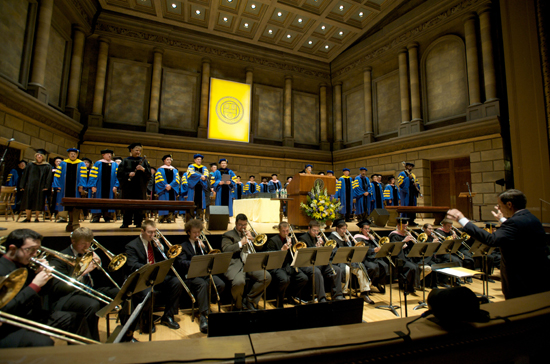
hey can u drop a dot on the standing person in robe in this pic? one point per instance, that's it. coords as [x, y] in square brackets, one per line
[391, 193]
[167, 182]
[52, 197]
[330, 173]
[251, 187]
[197, 180]
[238, 191]
[13, 180]
[35, 185]
[344, 192]
[307, 169]
[88, 162]
[362, 194]
[213, 169]
[70, 180]
[133, 175]
[377, 192]
[264, 186]
[103, 183]
[223, 188]
[274, 185]
[182, 193]
[409, 190]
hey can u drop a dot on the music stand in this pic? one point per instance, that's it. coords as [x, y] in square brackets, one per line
[207, 265]
[312, 257]
[348, 255]
[478, 249]
[421, 250]
[148, 276]
[265, 261]
[386, 251]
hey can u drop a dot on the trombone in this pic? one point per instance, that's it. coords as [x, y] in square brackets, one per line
[259, 239]
[332, 244]
[116, 261]
[205, 240]
[173, 250]
[420, 238]
[381, 241]
[80, 264]
[359, 243]
[442, 237]
[294, 247]
[463, 235]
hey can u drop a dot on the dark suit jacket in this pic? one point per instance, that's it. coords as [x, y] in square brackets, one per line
[306, 238]
[275, 244]
[230, 244]
[524, 268]
[183, 261]
[137, 256]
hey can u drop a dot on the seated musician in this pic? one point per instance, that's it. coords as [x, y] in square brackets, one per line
[67, 298]
[141, 251]
[285, 277]
[446, 231]
[22, 245]
[193, 245]
[239, 241]
[411, 270]
[343, 240]
[428, 229]
[332, 274]
[377, 268]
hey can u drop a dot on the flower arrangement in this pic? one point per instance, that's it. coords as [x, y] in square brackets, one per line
[320, 206]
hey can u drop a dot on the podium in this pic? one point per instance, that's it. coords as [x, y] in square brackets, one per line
[298, 189]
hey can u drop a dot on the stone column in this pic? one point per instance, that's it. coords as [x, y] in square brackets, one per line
[153, 122]
[339, 137]
[96, 117]
[36, 86]
[205, 93]
[487, 53]
[404, 87]
[288, 140]
[414, 82]
[249, 75]
[471, 58]
[71, 108]
[325, 145]
[368, 137]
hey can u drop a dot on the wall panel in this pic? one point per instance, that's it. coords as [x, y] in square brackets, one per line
[268, 104]
[178, 102]
[306, 118]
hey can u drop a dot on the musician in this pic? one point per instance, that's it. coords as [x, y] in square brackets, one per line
[238, 191]
[342, 240]
[141, 251]
[411, 271]
[377, 268]
[191, 246]
[435, 277]
[167, 182]
[362, 194]
[465, 260]
[274, 185]
[14, 177]
[103, 183]
[197, 181]
[391, 193]
[325, 272]
[35, 185]
[377, 192]
[70, 180]
[264, 186]
[238, 241]
[286, 276]
[64, 297]
[133, 175]
[251, 187]
[409, 190]
[519, 231]
[223, 188]
[344, 192]
[21, 246]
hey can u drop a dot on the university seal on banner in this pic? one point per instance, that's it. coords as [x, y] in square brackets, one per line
[229, 110]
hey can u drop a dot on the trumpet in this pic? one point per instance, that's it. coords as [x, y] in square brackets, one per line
[79, 264]
[332, 244]
[173, 250]
[116, 261]
[205, 240]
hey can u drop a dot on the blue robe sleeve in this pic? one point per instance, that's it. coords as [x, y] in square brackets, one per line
[94, 174]
[215, 180]
[160, 181]
[388, 193]
[357, 186]
[12, 178]
[57, 183]
[82, 177]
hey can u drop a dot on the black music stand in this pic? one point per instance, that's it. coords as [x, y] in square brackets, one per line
[348, 255]
[312, 257]
[265, 261]
[386, 251]
[207, 265]
[148, 276]
[421, 250]
[479, 249]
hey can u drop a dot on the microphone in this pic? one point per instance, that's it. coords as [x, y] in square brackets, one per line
[11, 140]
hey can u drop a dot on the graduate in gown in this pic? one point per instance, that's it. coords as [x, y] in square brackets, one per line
[197, 181]
[70, 180]
[167, 182]
[362, 193]
[274, 185]
[377, 192]
[264, 186]
[251, 187]
[13, 180]
[35, 184]
[344, 192]
[238, 191]
[223, 189]
[391, 193]
[409, 190]
[103, 183]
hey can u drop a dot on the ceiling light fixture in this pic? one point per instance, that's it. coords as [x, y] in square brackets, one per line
[323, 27]
[253, 6]
[279, 14]
[361, 14]
[341, 7]
[326, 47]
[270, 31]
[300, 20]
[288, 36]
[246, 25]
[198, 12]
[225, 19]
[310, 42]
[174, 5]
[341, 33]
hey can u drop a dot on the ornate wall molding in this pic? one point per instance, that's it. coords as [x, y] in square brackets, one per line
[408, 36]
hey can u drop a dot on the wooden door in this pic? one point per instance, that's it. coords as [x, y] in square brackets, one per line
[449, 178]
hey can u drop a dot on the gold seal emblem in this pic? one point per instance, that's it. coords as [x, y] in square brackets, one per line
[229, 110]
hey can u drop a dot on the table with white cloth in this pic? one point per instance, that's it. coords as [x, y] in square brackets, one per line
[258, 209]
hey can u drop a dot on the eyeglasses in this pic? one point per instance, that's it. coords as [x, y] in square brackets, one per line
[31, 249]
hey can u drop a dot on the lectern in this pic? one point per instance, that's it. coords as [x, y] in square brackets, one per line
[298, 189]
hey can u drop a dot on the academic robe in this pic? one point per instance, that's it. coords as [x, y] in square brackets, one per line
[224, 196]
[251, 188]
[163, 177]
[391, 193]
[264, 187]
[362, 202]
[377, 200]
[272, 186]
[103, 177]
[183, 188]
[13, 178]
[136, 187]
[238, 191]
[196, 186]
[344, 192]
[69, 176]
[407, 190]
[35, 179]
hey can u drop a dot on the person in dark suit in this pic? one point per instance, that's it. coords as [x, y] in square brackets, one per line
[520, 232]
[64, 297]
[238, 242]
[192, 246]
[22, 245]
[141, 251]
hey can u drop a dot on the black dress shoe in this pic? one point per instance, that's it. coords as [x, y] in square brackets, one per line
[169, 321]
[248, 305]
[203, 325]
[381, 288]
[367, 299]
[124, 226]
[145, 328]
[36, 220]
[26, 220]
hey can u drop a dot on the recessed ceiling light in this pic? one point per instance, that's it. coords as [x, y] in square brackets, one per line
[270, 31]
[341, 7]
[229, 1]
[225, 19]
[246, 25]
[288, 35]
[300, 20]
[279, 14]
[198, 12]
[310, 42]
[253, 6]
[361, 14]
[323, 27]
[174, 5]
[326, 47]
[341, 33]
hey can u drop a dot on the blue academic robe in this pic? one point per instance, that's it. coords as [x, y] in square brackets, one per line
[344, 195]
[219, 190]
[272, 187]
[194, 174]
[183, 188]
[236, 190]
[251, 188]
[12, 179]
[362, 202]
[375, 196]
[60, 180]
[96, 180]
[406, 185]
[264, 187]
[390, 195]
[160, 187]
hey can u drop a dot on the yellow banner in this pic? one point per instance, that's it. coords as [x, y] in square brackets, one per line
[229, 114]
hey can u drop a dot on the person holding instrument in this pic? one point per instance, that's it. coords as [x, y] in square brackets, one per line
[525, 267]
[21, 246]
[411, 271]
[191, 246]
[377, 268]
[239, 241]
[140, 251]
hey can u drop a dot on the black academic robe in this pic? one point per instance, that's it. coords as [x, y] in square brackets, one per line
[136, 187]
[36, 178]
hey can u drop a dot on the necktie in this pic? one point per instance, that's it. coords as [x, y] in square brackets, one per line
[197, 248]
[150, 254]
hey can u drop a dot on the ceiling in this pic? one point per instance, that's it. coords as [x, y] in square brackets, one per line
[315, 29]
